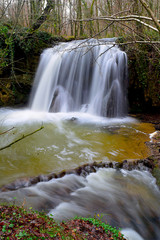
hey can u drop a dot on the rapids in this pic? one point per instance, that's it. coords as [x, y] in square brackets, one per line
[126, 199]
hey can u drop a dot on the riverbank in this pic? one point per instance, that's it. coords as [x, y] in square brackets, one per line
[154, 144]
[153, 118]
[17, 223]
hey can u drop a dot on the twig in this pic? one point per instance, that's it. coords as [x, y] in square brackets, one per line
[7, 131]
[24, 136]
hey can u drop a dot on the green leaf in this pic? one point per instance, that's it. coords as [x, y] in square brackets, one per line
[11, 225]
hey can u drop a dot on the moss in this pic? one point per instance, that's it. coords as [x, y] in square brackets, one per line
[144, 75]
[69, 38]
[15, 91]
[34, 43]
[156, 174]
[19, 56]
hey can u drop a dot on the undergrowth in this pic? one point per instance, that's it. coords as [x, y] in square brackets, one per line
[97, 222]
[18, 223]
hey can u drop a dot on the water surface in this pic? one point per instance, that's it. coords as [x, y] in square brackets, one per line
[66, 141]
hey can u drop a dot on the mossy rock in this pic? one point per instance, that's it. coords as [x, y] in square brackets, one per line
[156, 174]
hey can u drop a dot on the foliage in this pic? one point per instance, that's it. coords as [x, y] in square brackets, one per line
[17, 223]
[144, 75]
[17, 64]
[151, 34]
[5, 43]
[107, 228]
[32, 43]
[21, 43]
[69, 38]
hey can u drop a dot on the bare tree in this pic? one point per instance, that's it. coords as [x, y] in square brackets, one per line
[85, 17]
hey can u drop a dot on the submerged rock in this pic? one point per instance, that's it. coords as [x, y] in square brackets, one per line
[84, 170]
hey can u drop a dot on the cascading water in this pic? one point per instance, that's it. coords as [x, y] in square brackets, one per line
[126, 199]
[87, 76]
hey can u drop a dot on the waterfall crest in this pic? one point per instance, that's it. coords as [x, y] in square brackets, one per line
[83, 76]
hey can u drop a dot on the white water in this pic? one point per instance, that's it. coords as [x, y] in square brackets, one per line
[130, 234]
[126, 199]
[83, 76]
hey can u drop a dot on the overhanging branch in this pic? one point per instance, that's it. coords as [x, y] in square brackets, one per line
[135, 18]
[19, 139]
[151, 14]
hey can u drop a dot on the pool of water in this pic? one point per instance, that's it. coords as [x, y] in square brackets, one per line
[66, 141]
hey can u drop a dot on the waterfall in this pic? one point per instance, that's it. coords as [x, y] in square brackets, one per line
[83, 76]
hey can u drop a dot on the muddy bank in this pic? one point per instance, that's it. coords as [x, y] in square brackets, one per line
[153, 118]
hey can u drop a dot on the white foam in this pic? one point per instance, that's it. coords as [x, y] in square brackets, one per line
[130, 234]
[10, 117]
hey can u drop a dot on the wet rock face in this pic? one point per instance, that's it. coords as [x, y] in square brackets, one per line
[84, 171]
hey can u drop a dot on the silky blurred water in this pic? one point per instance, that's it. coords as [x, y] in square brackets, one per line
[125, 199]
[84, 76]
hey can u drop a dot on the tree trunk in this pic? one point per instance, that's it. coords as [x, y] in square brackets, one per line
[151, 14]
[79, 16]
[44, 15]
[96, 5]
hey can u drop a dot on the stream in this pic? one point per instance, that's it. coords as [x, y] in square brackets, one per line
[127, 199]
[77, 115]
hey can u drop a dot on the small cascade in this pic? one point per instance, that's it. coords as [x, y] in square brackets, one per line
[125, 199]
[83, 76]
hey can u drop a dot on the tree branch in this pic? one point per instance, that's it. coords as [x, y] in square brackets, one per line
[151, 14]
[135, 18]
[24, 136]
[132, 42]
[7, 131]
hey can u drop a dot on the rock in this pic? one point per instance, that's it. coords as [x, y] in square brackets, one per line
[157, 127]
[84, 171]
